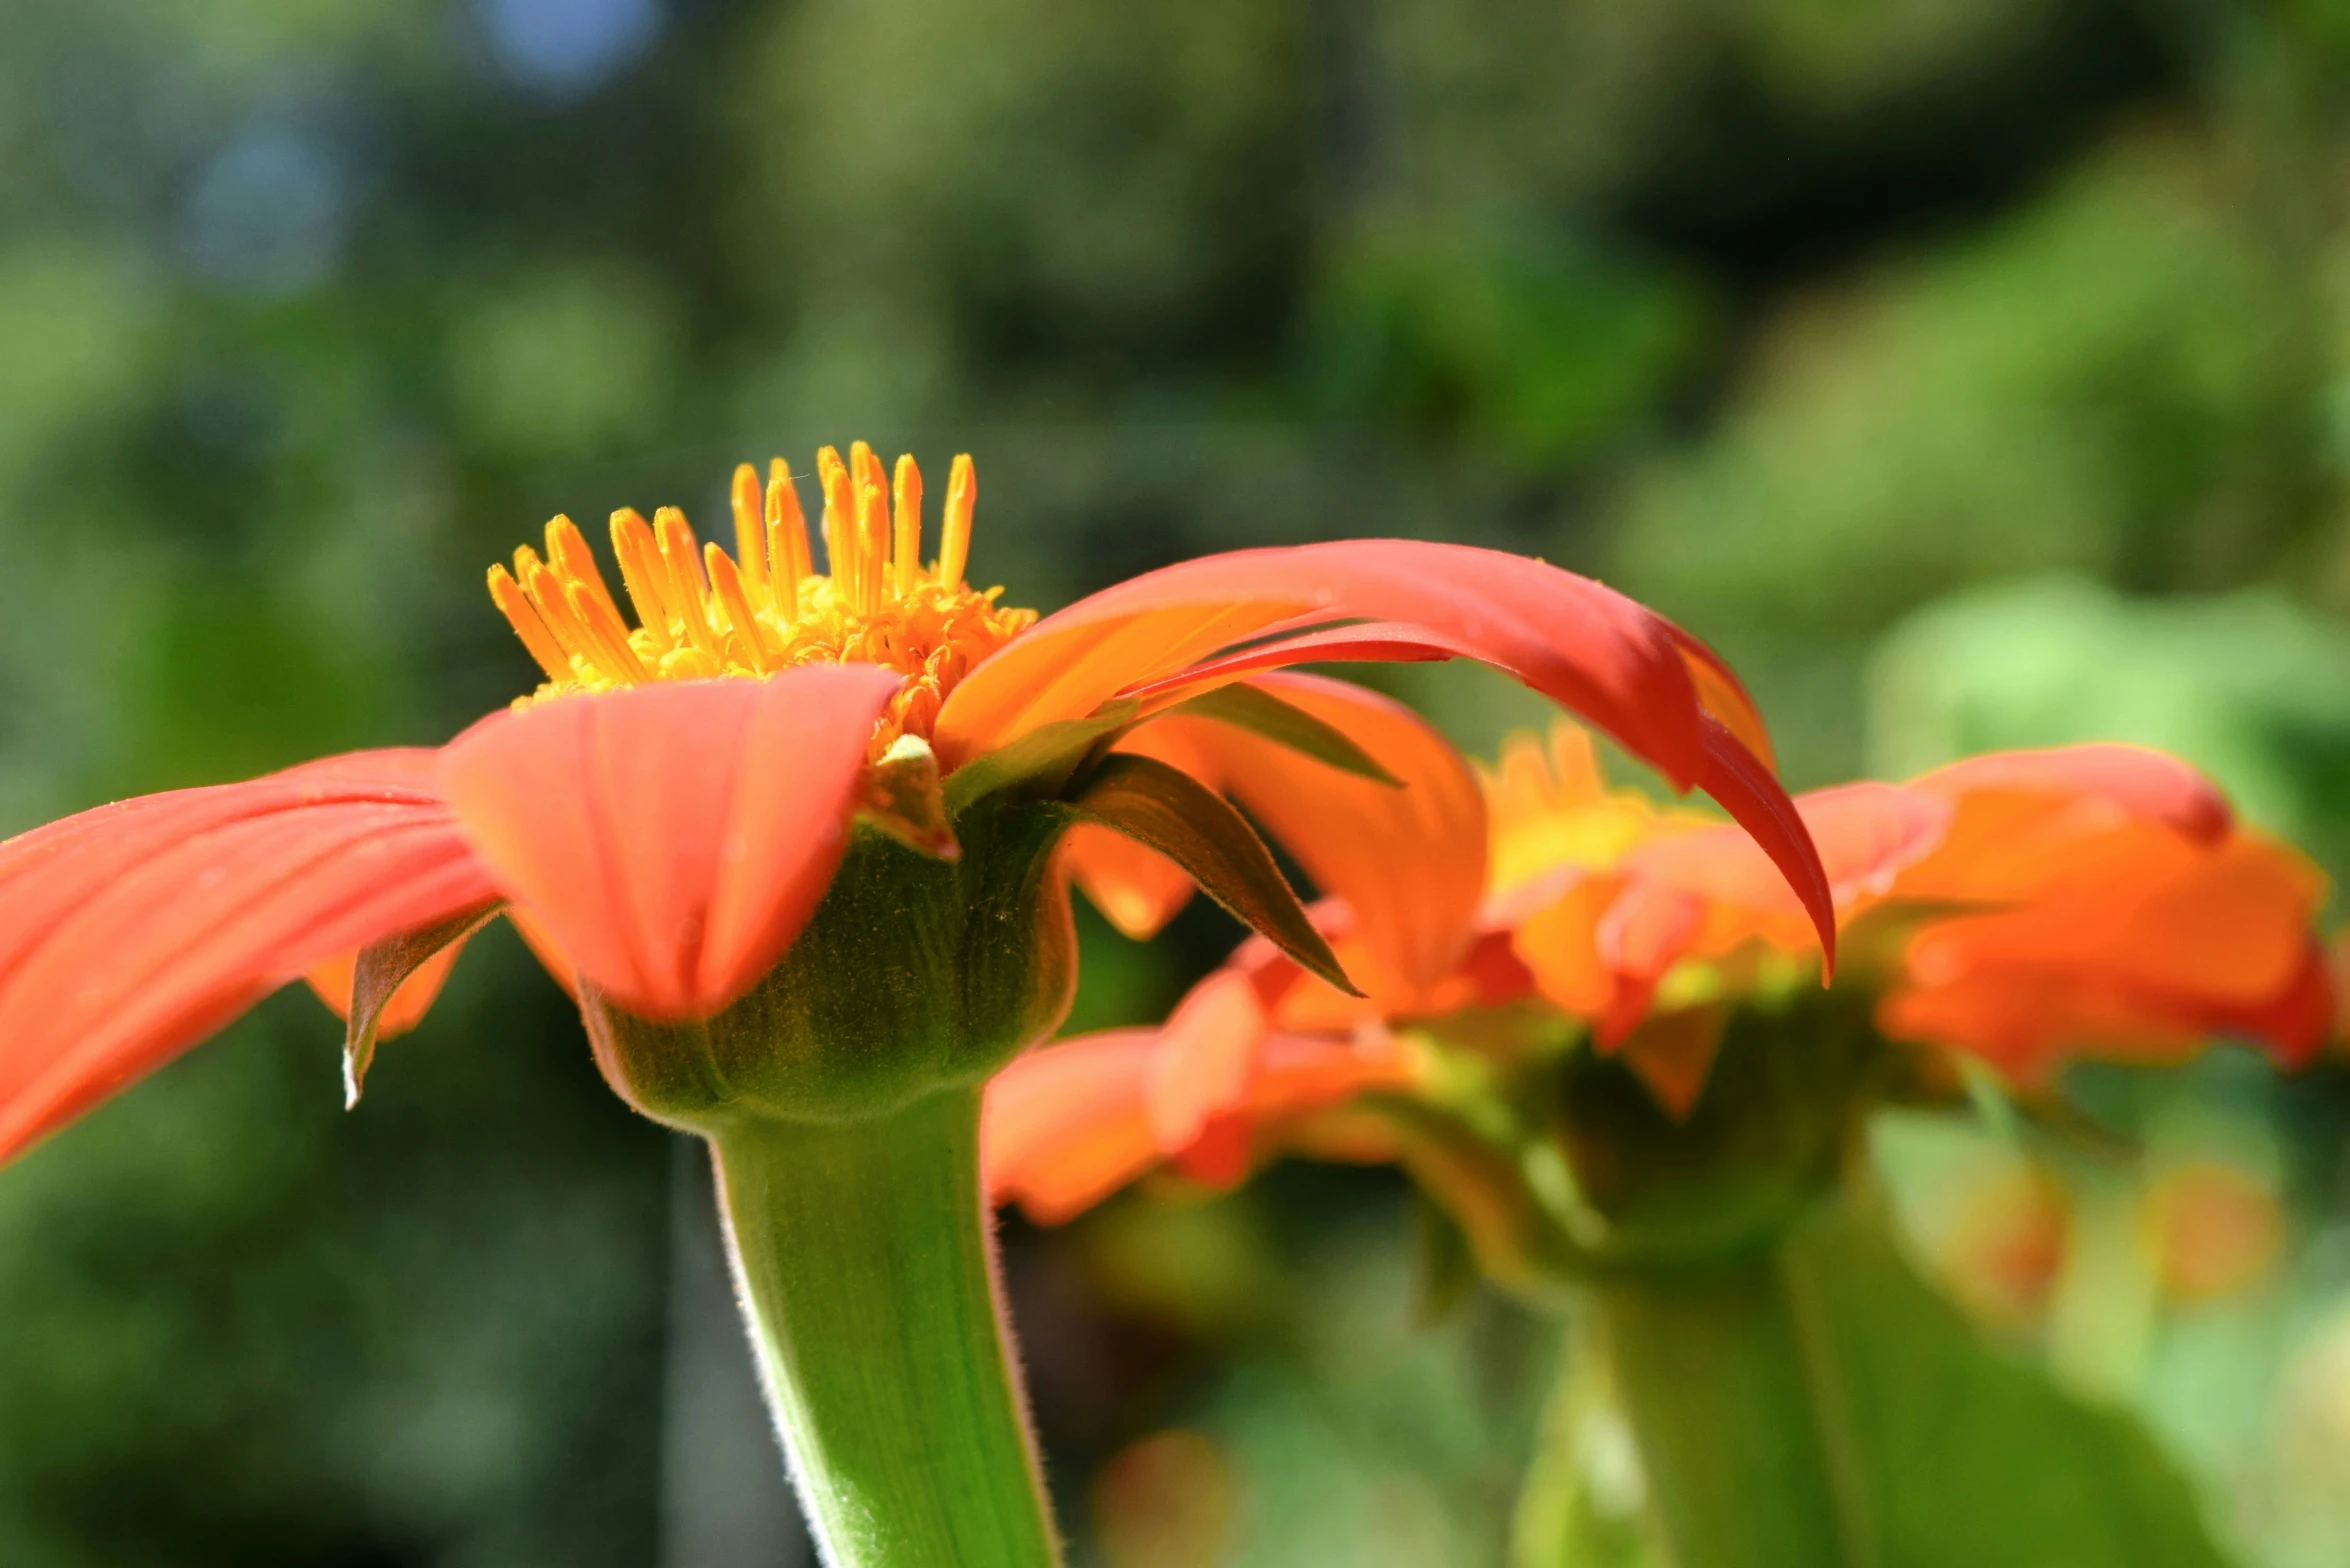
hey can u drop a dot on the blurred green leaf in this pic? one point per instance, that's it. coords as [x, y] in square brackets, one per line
[1827, 1406]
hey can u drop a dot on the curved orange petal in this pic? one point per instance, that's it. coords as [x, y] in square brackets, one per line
[2230, 924]
[1867, 834]
[544, 948]
[1408, 857]
[130, 932]
[1721, 693]
[1066, 1125]
[1736, 779]
[2148, 945]
[1577, 642]
[2025, 1021]
[2028, 820]
[672, 839]
[1559, 945]
[1137, 889]
[2138, 782]
[1207, 1058]
[1574, 640]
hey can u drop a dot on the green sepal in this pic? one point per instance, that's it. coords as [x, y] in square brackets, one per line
[378, 974]
[1258, 711]
[1040, 762]
[1165, 809]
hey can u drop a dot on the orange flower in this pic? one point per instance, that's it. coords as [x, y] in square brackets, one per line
[2025, 905]
[666, 812]
[2116, 907]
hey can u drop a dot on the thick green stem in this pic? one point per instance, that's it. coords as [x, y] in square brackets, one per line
[1713, 1372]
[868, 1261]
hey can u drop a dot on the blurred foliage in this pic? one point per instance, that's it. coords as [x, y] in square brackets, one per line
[2251, 686]
[1797, 317]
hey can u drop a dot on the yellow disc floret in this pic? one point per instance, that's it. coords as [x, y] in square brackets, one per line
[1550, 808]
[702, 613]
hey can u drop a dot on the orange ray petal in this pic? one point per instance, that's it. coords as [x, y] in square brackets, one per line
[1583, 645]
[1867, 834]
[1559, 945]
[1065, 1126]
[1574, 640]
[1738, 781]
[1723, 695]
[1206, 1059]
[130, 932]
[1138, 890]
[672, 839]
[2231, 924]
[2138, 782]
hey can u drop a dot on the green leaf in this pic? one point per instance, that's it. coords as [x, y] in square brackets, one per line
[1164, 809]
[378, 974]
[1258, 711]
[1825, 1405]
[1045, 757]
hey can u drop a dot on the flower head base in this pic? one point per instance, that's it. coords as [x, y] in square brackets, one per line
[702, 613]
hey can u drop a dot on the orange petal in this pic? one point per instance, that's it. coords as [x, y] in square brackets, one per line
[672, 839]
[1583, 645]
[2230, 924]
[1207, 1059]
[130, 932]
[1574, 640]
[1408, 861]
[1722, 694]
[544, 948]
[331, 982]
[2023, 1021]
[1137, 889]
[1736, 778]
[1065, 1126]
[1559, 945]
[2136, 781]
[1866, 833]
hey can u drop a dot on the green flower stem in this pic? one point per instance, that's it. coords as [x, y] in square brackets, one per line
[868, 1262]
[1712, 1371]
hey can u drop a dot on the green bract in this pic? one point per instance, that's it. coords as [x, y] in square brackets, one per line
[917, 974]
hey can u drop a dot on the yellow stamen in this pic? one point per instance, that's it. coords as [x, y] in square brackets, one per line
[750, 534]
[727, 588]
[787, 540]
[583, 581]
[906, 550]
[872, 546]
[687, 591]
[546, 597]
[840, 513]
[954, 529]
[771, 609]
[640, 573]
[515, 605]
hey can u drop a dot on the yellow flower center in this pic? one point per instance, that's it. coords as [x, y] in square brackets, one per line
[1551, 808]
[702, 613]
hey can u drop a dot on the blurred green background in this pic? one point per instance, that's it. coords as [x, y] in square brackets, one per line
[1972, 372]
